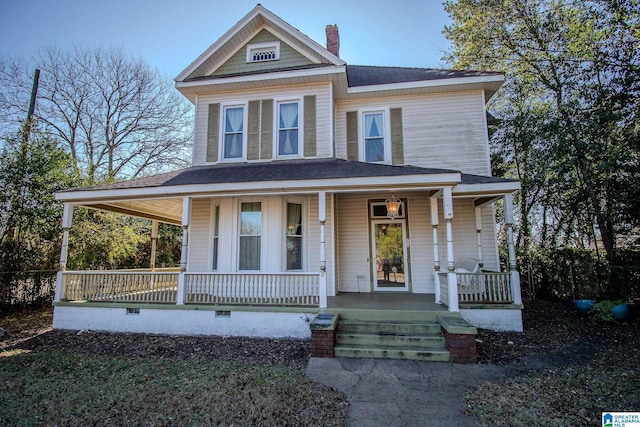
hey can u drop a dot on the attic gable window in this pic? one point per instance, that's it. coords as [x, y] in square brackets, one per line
[260, 52]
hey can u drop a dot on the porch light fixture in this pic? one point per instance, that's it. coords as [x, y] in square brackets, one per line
[393, 207]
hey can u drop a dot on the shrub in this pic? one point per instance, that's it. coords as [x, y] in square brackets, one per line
[603, 311]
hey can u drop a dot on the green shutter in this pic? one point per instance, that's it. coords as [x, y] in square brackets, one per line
[352, 135]
[310, 126]
[253, 129]
[397, 141]
[266, 139]
[212, 132]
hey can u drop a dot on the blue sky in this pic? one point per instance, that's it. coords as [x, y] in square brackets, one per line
[171, 34]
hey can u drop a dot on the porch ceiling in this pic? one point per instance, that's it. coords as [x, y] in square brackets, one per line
[164, 210]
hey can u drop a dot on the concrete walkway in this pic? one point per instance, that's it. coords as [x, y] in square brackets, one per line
[403, 392]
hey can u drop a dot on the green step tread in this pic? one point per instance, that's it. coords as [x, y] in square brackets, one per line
[390, 352]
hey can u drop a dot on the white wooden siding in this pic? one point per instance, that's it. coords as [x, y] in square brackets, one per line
[352, 235]
[324, 112]
[200, 233]
[420, 237]
[445, 130]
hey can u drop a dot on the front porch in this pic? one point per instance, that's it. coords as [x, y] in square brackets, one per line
[283, 246]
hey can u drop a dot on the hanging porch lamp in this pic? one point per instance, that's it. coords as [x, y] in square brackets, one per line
[393, 207]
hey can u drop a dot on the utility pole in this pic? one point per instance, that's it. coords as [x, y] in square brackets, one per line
[32, 105]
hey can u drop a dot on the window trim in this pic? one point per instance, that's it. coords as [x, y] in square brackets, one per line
[305, 232]
[221, 133]
[386, 118]
[239, 234]
[276, 127]
[381, 203]
[256, 46]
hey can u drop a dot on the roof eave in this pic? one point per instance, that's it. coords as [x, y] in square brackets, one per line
[437, 180]
[486, 189]
[320, 75]
[488, 82]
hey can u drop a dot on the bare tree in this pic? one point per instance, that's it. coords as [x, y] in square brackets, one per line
[118, 117]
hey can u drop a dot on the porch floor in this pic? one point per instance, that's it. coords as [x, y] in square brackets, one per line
[390, 301]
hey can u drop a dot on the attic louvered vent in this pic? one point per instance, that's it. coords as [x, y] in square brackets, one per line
[260, 52]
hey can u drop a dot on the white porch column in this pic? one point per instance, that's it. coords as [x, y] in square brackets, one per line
[184, 254]
[452, 279]
[436, 250]
[154, 244]
[479, 233]
[322, 217]
[67, 221]
[513, 263]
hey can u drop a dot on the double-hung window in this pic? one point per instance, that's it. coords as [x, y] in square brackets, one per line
[294, 236]
[375, 138]
[233, 132]
[288, 136]
[250, 236]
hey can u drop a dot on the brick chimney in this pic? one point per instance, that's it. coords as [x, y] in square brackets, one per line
[333, 40]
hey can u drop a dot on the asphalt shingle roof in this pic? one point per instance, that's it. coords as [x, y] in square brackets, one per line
[366, 75]
[286, 170]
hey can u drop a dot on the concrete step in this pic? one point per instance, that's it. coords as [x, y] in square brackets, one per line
[388, 327]
[434, 341]
[387, 352]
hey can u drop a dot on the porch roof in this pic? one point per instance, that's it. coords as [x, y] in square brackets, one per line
[286, 171]
[159, 196]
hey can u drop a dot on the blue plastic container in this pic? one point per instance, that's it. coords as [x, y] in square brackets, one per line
[621, 312]
[584, 305]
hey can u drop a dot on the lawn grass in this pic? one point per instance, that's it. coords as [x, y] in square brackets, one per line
[69, 389]
[571, 396]
[570, 369]
[44, 385]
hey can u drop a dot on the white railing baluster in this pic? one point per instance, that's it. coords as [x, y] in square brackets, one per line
[487, 287]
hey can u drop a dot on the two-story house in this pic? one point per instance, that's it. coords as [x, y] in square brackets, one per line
[316, 186]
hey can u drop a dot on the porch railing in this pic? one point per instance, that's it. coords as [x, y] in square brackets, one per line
[485, 287]
[292, 289]
[298, 289]
[120, 286]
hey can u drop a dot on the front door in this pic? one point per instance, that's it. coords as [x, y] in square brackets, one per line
[388, 240]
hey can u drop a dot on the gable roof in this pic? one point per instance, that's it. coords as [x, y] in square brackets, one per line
[235, 38]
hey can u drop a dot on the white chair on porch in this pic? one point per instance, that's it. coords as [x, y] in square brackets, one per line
[470, 284]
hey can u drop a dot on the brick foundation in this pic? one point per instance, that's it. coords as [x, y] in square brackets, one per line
[322, 343]
[462, 347]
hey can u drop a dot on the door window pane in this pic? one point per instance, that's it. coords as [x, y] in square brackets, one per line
[389, 256]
